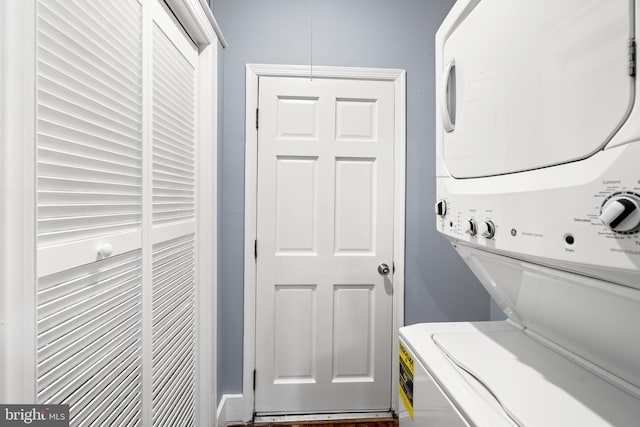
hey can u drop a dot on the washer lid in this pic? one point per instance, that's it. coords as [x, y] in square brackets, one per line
[526, 85]
[535, 385]
[591, 318]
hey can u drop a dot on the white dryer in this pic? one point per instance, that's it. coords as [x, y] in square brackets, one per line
[538, 182]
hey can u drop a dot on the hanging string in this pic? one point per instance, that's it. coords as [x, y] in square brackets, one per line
[311, 43]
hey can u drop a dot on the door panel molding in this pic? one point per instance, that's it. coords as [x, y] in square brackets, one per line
[253, 73]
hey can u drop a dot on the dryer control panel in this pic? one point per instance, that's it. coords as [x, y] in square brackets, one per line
[581, 216]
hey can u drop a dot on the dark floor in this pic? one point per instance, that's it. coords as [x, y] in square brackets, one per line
[371, 422]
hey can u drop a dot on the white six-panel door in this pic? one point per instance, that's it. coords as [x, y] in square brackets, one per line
[324, 225]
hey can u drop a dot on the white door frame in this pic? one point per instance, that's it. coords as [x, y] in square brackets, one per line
[253, 73]
[18, 201]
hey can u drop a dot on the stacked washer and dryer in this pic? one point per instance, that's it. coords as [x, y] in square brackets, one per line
[538, 183]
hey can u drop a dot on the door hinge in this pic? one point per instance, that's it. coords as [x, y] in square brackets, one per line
[631, 54]
[393, 268]
[255, 249]
[257, 118]
[254, 380]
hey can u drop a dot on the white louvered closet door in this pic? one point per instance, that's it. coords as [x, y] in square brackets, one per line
[116, 213]
[89, 198]
[174, 223]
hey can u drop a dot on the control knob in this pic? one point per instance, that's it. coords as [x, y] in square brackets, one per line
[472, 227]
[488, 229]
[621, 213]
[441, 208]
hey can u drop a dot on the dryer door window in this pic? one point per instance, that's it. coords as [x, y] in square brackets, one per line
[538, 83]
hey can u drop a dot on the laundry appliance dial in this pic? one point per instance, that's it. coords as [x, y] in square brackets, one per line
[621, 212]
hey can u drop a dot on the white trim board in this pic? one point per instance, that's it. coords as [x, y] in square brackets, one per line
[207, 221]
[230, 409]
[198, 20]
[253, 72]
[17, 213]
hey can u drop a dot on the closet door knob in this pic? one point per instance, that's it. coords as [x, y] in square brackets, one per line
[105, 250]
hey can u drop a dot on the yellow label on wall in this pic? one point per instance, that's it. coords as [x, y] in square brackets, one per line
[406, 379]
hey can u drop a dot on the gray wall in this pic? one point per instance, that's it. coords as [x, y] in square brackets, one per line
[362, 33]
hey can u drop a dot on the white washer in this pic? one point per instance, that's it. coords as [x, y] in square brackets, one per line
[430, 404]
[538, 182]
[496, 374]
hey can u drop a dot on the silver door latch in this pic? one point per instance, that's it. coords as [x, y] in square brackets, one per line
[383, 269]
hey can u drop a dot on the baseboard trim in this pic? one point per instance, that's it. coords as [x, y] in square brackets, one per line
[230, 410]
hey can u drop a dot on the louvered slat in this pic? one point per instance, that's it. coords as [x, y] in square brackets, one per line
[88, 337]
[120, 386]
[173, 133]
[79, 138]
[117, 391]
[89, 109]
[170, 157]
[112, 329]
[173, 314]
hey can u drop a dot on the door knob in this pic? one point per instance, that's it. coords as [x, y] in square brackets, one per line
[105, 250]
[383, 269]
